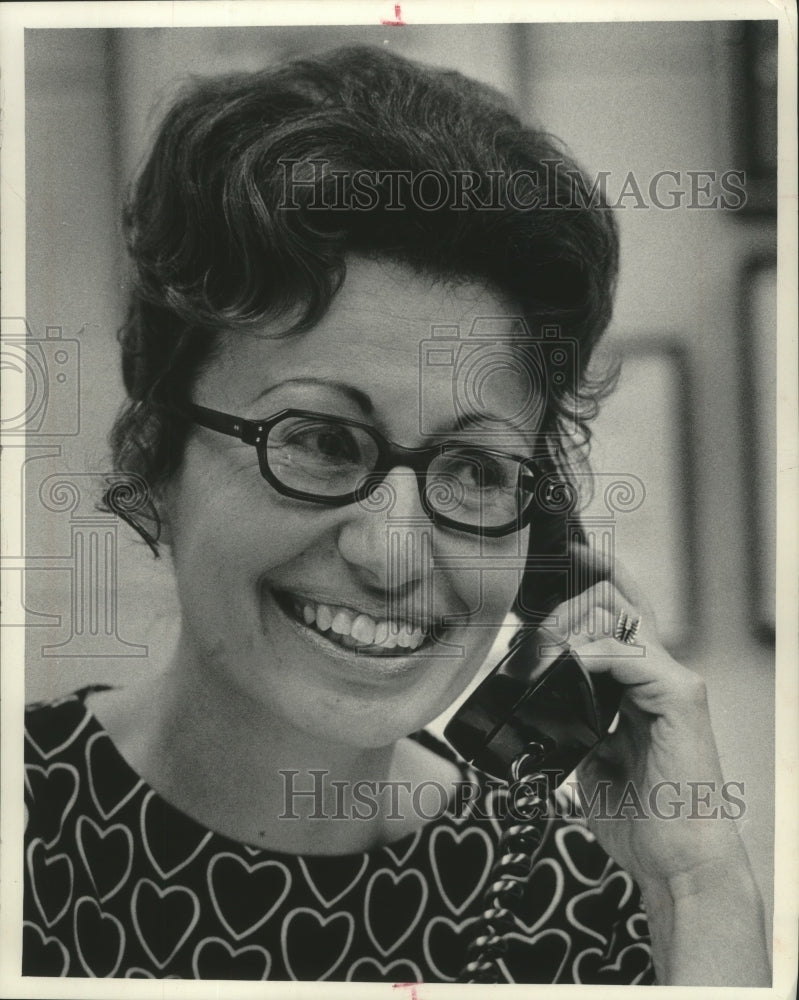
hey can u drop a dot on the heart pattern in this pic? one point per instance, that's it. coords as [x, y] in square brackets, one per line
[99, 938]
[458, 853]
[163, 918]
[548, 951]
[331, 883]
[107, 855]
[331, 936]
[42, 955]
[445, 945]
[56, 785]
[246, 895]
[118, 883]
[392, 902]
[109, 796]
[216, 959]
[368, 970]
[51, 878]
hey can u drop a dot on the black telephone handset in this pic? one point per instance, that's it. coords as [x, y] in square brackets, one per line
[530, 725]
[560, 709]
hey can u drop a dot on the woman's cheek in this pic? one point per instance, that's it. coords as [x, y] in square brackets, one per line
[226, 515]
[486, 575]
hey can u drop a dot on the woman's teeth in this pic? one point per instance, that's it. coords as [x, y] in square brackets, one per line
[355, 629]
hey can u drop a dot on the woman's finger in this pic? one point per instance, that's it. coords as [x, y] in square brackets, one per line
[595, 614]
[658, 683]
[591, 564]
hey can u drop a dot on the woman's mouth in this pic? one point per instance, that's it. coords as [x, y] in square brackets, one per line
[353, 629]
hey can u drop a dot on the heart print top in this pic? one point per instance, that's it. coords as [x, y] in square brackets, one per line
[120, 883]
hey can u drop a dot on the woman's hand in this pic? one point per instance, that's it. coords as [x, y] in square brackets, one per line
[660, 807]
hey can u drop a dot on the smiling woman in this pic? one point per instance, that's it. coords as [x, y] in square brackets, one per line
[246, 580]
[357, 420]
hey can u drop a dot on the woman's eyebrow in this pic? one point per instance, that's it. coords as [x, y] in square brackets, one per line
[464, 421]
[361, 399]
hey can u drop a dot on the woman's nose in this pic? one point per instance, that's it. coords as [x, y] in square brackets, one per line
[388, 535]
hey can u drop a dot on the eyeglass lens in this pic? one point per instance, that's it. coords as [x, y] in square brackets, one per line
[325, 458]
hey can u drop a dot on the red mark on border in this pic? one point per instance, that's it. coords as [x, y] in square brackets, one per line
[399, 986]
[396, 23]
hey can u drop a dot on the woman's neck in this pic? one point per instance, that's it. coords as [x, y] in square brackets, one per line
[233, 767]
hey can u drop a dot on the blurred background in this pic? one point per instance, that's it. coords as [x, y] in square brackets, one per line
[693, 420]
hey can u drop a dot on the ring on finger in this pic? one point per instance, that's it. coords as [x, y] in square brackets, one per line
[627, 627]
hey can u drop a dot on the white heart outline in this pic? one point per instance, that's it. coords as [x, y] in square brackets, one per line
[46, 755]
[457, 928]
[560, 882]
[59, 766]
[560, 836]
[162, 894]
[46, 939]
[327, 903]
[103, 916]
[146, 973]
[412, 845]
[249, 869]
[633, 931]
[616, 966]
[619, 873]
[396, 879]
[324, 921]
[549, 932]
[148, 798]
[383, 969]
[48, 861]
[459, 836]
[102, 835]
[229, 948]
[126, 798]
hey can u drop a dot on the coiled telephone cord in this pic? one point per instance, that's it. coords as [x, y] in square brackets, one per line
[527, 798]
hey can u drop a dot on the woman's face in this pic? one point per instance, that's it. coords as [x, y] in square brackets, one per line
[261, 576]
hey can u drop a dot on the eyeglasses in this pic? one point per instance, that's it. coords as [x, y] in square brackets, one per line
[333, 461]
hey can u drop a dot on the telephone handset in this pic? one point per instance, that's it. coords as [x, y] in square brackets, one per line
[560, 709]
[530, 725]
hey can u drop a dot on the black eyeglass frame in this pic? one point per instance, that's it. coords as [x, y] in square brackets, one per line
[389, 456]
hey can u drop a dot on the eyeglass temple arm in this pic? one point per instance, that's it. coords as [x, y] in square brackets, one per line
[225, 423]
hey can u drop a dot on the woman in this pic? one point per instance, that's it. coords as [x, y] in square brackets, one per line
[351, 493]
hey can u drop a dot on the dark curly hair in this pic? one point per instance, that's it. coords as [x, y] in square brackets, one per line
[215, 246]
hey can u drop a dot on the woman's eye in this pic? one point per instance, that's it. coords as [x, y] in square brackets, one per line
[482, 471]
[490, 476]
[327, 442]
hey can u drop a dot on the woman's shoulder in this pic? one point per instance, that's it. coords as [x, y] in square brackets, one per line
[71, 767]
